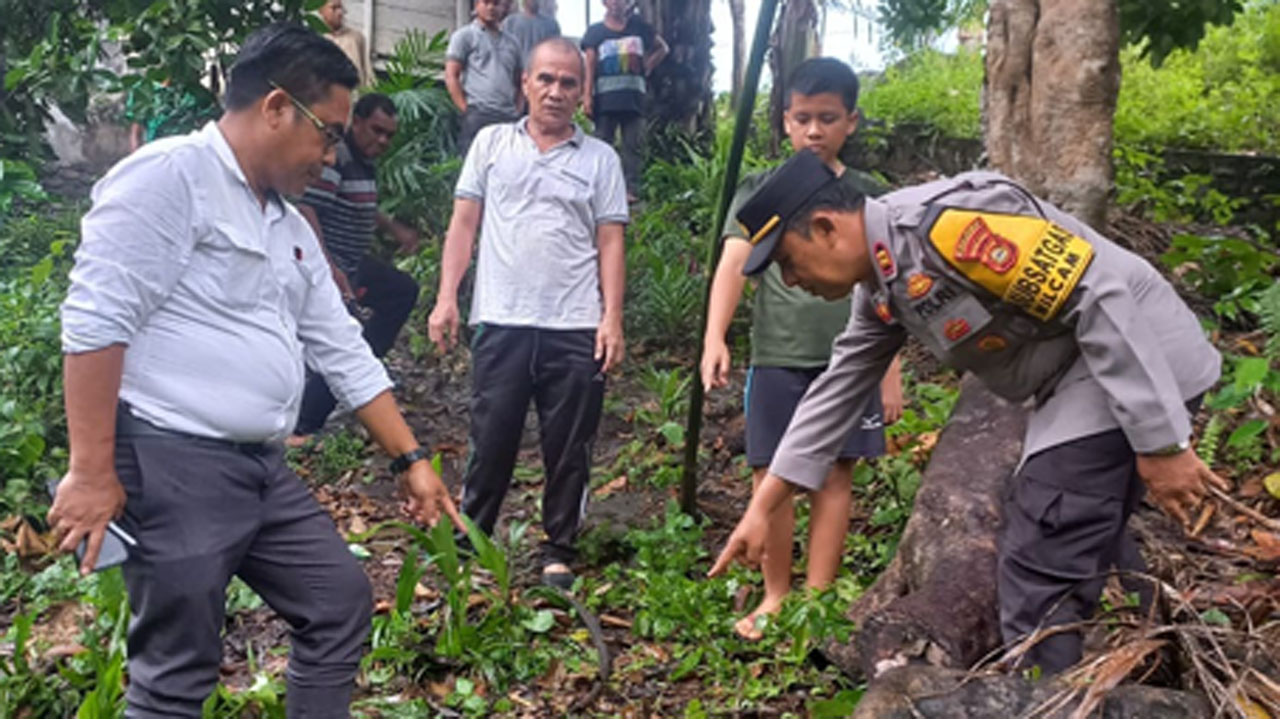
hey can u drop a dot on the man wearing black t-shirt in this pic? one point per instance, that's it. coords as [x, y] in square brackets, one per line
[621, 52]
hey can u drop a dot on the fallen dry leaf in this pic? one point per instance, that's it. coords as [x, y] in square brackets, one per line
[657, 652]
[1247, 347]
[357, 526]
[64, 650]
[1251, 709]
[1251, 487]
[440, 689]
[30, 543]
[1203, 520]
[1110, 670]
[613, 621]
[614, 485]
[1272, 484]
[1268, 549]
[422, 591]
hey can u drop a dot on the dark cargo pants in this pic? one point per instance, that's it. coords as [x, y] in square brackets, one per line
[203, 510]
[558, 370]
[1063, 532]
[631, 126]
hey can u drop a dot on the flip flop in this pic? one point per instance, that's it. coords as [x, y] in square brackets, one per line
[561, 579]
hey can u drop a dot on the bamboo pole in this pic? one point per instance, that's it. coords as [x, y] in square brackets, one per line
[741, 124]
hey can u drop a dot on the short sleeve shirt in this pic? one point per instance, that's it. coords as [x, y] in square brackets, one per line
[529, 30]
[490, 61]
[790, 327]
[619, 71]
[538, 263]
[345, 200]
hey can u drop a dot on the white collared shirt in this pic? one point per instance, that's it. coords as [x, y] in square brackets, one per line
[538, 264]
[219, 299]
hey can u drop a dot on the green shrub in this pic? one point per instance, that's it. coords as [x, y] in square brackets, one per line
[931, 88]
[417, 174]
[1223, 96]
[37, 252]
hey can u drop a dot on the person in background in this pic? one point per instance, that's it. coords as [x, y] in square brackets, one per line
[529, 27]
[342, 207]
[791, 334]
[482, 72]
[196, 297]
[622, 51]
[350, 40]
[550, 207]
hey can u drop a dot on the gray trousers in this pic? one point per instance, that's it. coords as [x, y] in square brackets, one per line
[631, 125]
[558, 371]
[1063, 532]
[203, 510]
[473, 121]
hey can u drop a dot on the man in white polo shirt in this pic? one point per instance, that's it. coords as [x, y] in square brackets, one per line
[548, 295]
[196, 297]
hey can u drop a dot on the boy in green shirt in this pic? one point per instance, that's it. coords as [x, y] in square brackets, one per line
[791, 335]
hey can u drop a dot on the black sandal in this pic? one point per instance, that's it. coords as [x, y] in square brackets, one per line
[558, 579]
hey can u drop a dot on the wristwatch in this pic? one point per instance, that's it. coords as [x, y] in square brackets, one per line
[1169, 450]
[401, 464]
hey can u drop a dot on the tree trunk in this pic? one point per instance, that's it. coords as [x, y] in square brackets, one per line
[794, 39]
[680, 88]
[738, 13]
[947, 555]
[1052, 77]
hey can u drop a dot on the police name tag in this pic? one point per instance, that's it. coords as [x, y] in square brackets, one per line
[1028, 262]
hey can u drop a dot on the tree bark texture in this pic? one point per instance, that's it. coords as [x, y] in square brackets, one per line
[680, 88]
[919, 692]
[1052, 77]
[794, 39]
[936, 601]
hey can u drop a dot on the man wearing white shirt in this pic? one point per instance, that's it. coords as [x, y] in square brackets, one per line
[549, 206]
[197, 296]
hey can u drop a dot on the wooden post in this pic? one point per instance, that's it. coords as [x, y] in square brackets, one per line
[741, 124]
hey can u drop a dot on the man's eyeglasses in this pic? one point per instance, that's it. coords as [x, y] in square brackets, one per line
[332, 135]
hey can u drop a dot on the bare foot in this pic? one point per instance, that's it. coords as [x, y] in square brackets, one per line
[750, 626]
[294, 441]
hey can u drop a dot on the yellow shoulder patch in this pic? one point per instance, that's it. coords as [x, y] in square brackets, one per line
[1028, 262]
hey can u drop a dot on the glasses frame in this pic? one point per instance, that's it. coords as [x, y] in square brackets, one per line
[331, 136]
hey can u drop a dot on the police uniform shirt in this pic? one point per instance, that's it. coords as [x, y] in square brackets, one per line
[1034, 302]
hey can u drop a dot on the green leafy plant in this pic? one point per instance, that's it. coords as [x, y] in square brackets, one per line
[417, 174]
[1230, 270]
[929, 88]
[17, 183]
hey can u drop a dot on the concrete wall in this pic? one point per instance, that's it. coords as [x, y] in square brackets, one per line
[392, 18]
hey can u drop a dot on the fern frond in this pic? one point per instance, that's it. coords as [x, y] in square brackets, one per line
[1269, 314]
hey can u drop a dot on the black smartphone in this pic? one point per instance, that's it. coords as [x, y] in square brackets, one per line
[115, 541]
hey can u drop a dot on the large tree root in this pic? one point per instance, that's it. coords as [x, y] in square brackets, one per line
[936, 602]
[919, 692]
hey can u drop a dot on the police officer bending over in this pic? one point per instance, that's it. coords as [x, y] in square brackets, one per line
[993, 280]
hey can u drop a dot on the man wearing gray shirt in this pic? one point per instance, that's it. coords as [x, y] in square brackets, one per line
[197, 296]
[548, 296]
[530, 27]
[482, 72]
